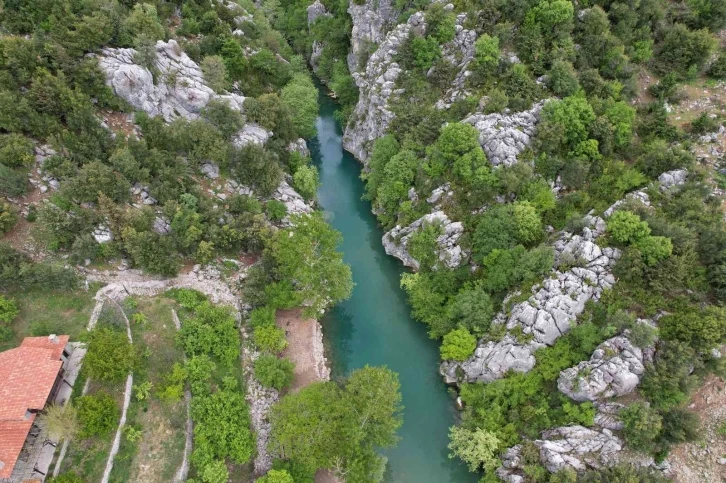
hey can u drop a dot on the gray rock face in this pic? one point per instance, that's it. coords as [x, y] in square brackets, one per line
[210, 170]
[549, 313]
[395, 242]
[504, 136]
[181, 90]
[294, 203]
[459, 52]
[672, 178]
[440, 194]
[299, 146]
[316, 10]
[251, 134]
[371, 21]
[102, 234]
[161, 225]
[573, 447]
[634, 197]
[377, 85]
[614, 369]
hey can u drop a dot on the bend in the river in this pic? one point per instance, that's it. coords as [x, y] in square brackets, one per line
[374, 326]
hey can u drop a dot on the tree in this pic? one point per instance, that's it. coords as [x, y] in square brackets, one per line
[642, 425]
[383, 150]
[276, 476]
[565, 124]
[301, 96]
[307, 254]
[215, 73]
[306, 181]
[269, 338]
[528, 222]
[477, 448]
[654, 249]
[144, 20]
[94, 178]
[215, 472]
[274, 372]
[562, 79]
[8, 309]
[458, 345]
[486, 56]
[15, 150]
[473, 309]
[228, 120]
[110, 355]
[700, 329]
[61, 421]
[97, 413]
[627, 227]
[684, 51]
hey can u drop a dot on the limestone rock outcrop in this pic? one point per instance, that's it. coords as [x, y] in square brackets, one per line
[672, 178]
[548, 313]
[292, 200]
[575, 447]
[503, 137]
[377, 85]
[459, 52]
[300, 147]
[395, 242]
[251, 134]
[179, 92]
[614, 369]
[371, 21]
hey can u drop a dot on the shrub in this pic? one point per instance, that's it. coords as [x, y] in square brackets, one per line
[704, 124]
[458, 345]
[15, 150]
[270, 338]
[110, 355]
[262, 316]
[627, 227]
[276, 210]
[642, 425]
[274, 372]
[173, 387]
[65, 478]
[98, 414]
[276, 476]
[306, 181]
[8, 309]
[12, 183]
[187, 297]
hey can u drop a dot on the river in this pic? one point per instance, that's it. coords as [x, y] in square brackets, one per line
[374, 326]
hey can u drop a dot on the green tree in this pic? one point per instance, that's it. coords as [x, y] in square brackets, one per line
[98, 414]
[700, 329]
[274, 372]
[144, 20]
[528, 222]
[307, 254]
[228, 120]
[654, 249]
[15, 150]
[215, 73]
[458, 345]
[642, 425]
[269, 338]
[684, 51]
[301, 96]
[486, 56]
[562, 79]
[477, 448]
[306, 181]
[8, 309]
[276, 476]
[215, 472]
[473, 309]
[110, 355]
[627, 227]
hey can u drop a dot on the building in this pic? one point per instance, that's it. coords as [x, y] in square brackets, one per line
[30, 377]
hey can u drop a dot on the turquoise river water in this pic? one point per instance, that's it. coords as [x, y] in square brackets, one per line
[374, 326]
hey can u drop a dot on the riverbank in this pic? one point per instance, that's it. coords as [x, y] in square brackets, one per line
[304, 348]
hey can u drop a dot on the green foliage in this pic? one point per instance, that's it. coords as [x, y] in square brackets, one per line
[8, 218]
[642, 425]
[215, 73]
[627, 227]
[269, 338]
[702, 330]
[215, 472]
[301, 96]
[472, 309]
[325, 425]
[307, 254]
[274, 372]
[477, 448]
[562, 79]
[8, 309]
[458, 345]
[187, 297]
[65, 478]
[173, 387]
[110, 355]
[211, 331]
[684, 51]
[276, 476]
[221, 426]
[306, 181]
[15, 150]
[144, 20]
[98, 414]
[565, 124]
[422, 245]
[486, 57]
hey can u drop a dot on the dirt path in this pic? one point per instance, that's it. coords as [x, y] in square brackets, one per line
[704, 460]
[304, 348]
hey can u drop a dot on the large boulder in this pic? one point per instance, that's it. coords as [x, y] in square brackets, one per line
[504, 136]
[614, 369]
[395, 242]
[179, 92]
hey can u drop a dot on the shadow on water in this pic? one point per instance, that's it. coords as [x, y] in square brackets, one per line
[374, 326]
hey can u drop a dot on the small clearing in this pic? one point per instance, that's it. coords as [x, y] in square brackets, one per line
[304, 347]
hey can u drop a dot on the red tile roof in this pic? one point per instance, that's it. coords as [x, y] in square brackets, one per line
[27, 375]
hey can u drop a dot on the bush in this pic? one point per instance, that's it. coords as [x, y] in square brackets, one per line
[276, 210]
[15, 150]
[458, 345]
[642, 425]
[276, 476]
[12, 183]
[98, 414]
[8, 309]
[65, 478]
[269, 338]
[306, 181]
[704, 124]
[110, 355]
[274, 372]
[262, 316]
[627, 227]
